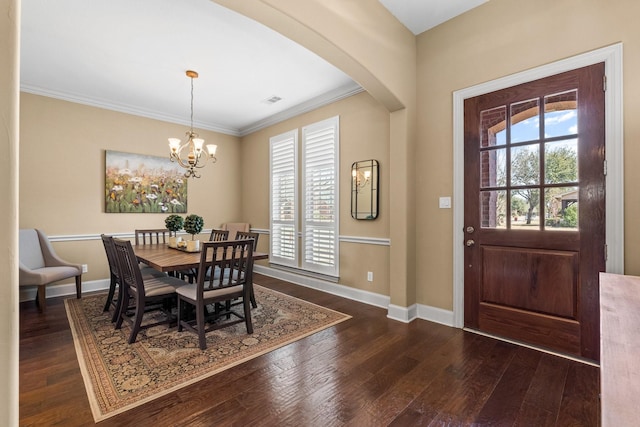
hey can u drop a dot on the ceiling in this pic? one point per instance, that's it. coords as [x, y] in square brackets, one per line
[131, 56]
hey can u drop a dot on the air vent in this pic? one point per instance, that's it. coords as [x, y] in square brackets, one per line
[273, 99]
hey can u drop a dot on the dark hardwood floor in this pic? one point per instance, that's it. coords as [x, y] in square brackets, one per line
[367, 371]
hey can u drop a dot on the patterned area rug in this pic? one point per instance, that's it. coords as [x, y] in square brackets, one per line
[119, 376]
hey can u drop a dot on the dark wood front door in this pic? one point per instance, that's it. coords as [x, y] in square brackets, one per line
[535, 211]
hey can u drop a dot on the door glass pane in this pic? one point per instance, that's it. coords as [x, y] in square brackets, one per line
[525, 207]
[561, 114]
[561, 162]
[493, 168]
[525, 121]
[561, 208]
[493, 123]
[493, 209]
[525, 165]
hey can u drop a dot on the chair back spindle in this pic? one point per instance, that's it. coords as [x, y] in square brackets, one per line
[219, 235]
[151, 236]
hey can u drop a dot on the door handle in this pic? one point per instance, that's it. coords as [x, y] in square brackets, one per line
[470, 243]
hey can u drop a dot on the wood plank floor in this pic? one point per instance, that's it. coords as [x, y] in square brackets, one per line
[367, 371]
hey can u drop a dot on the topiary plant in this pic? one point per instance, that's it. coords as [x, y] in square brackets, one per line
[174, 223]
[193, 225]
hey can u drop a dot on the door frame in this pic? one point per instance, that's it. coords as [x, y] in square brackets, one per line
[614, 223]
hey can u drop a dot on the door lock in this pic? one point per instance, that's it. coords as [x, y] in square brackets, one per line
[470, 243]
[470, 229]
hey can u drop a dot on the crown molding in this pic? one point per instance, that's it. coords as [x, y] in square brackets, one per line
[317, 102]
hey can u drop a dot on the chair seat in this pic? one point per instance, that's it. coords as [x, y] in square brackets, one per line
[154, 285]
[190, 292]
[151, 272]
[45, 275]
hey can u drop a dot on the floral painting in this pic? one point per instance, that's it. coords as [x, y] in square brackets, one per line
[138, 183]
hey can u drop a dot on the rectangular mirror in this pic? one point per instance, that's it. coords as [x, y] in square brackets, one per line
[364, 189]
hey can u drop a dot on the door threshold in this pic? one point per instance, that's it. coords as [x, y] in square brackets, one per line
[533, 347]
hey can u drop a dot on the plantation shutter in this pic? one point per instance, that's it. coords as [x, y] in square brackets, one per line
[320, 149]
[284, 200]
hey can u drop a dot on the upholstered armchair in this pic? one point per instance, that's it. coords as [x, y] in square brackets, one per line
[40, 266]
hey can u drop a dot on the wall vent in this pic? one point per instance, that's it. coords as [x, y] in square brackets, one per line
[273, 99]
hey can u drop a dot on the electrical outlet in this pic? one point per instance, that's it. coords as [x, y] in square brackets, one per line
[370, 276]
[85, 268]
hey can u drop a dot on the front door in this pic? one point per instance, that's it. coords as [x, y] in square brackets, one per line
[535, 211]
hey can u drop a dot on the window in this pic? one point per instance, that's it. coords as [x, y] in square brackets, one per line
[317, 202]
[284, 198]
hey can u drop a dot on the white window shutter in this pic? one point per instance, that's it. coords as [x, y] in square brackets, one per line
[320, 220]
[284, 199]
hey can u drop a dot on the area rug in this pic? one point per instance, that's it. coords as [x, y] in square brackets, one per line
[119, 376]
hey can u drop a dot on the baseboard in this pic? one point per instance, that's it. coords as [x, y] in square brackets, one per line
[395, 312]
[359, 295]
[65, 289]
[402, 314]
[436, 315]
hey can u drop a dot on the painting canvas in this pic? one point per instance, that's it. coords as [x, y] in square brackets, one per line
[138, 183]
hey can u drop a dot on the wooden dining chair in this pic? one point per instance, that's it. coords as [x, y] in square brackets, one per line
[149, 291]
[114, 277]
[234, 227]
[218, 235]
[152, 236]
[215, 236]
[241, 235]
[234, 259]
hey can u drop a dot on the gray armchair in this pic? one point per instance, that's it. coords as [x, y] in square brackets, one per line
[40, 266]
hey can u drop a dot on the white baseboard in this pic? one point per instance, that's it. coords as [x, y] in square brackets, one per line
[366, 297]
[395, 312]
[435, 314]
[66, 289]
[402, 314]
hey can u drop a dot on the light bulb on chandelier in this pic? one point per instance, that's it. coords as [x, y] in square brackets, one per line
[197, 156]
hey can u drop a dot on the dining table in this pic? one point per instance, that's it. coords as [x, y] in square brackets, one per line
[163, 258]
[166, 259]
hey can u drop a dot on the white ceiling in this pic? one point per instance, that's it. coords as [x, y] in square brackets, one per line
[131, 56]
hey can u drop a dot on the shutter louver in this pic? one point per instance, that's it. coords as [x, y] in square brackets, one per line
[284, 201]
[320, 214]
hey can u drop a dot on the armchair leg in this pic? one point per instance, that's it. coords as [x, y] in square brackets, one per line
[41, 298]
[79, 286]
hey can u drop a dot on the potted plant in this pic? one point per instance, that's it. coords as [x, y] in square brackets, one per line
[193, 225]
[174, 224]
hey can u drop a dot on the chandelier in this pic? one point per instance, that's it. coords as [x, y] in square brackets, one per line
[197, 157]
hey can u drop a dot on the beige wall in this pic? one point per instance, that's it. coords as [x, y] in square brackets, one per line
[363, 39]
[65, 195]
[9, 101]
[499, 38]
[364, 134]
[62, 159]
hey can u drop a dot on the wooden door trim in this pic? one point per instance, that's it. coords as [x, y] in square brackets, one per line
[612, 57]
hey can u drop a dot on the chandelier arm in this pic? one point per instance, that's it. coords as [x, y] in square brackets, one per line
[175, 156]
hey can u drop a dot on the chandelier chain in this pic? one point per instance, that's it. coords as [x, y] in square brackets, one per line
[191, 104]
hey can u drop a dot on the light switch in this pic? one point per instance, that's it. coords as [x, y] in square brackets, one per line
[445, 202]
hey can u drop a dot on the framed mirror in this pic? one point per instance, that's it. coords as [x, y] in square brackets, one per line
[364, 189]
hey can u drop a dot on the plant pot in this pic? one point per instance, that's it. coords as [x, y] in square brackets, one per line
[173, 241]
[193, 245]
